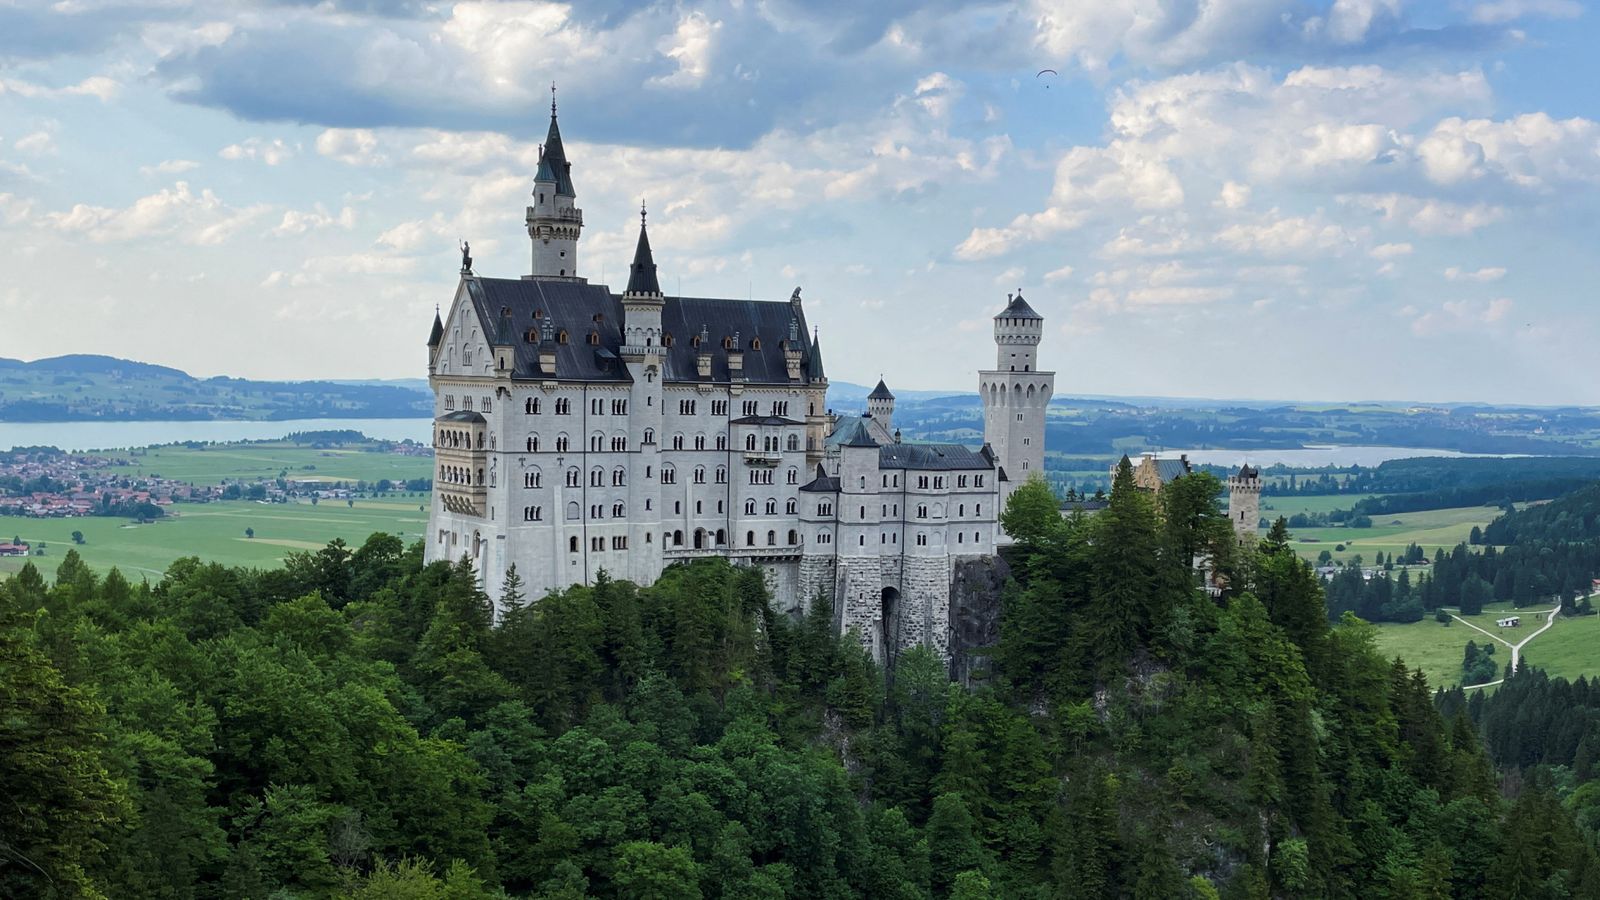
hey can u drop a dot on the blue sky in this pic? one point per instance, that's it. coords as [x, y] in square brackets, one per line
[1355, 199]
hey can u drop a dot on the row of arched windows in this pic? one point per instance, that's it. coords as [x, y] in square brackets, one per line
[459, 475]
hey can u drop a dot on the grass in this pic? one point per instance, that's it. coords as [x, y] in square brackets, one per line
[214, 532]
[213, 464]
[1275, 506]
[1430, 529]
[1567, 649]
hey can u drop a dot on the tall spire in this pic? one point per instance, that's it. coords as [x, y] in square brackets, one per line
[642, 279]
[555, 155]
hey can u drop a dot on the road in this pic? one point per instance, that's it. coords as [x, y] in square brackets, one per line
[1516, 649]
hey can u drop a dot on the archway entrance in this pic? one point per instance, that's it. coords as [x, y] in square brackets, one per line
[889, 623]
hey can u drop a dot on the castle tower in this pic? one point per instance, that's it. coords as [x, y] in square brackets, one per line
[1244, 503]
[554, 220]
[880, 406]
[645, 356]
[1015, 394]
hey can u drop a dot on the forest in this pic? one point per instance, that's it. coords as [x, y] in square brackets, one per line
[358, 724]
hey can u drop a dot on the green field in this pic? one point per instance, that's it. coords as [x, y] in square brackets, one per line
[213, 464]
[1569, 649]
[215, 533]
[1273, 507]
[1430, 529]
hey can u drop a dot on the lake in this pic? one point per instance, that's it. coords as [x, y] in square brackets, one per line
[1312, 457]
[77, 436]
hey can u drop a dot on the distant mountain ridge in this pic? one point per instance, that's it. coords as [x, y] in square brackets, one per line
[90, 387]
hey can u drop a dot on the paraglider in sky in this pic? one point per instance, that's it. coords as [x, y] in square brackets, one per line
[1042, 73]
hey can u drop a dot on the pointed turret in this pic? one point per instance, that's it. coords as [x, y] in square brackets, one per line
[554, 221]
[814, 359]
[880, 406]
[642, 281]
[642, 301]
[437, 335]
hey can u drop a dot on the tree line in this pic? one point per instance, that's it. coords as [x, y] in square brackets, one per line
[359, 724]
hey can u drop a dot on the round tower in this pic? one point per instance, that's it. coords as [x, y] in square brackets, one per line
[1017, 330]
[554, 220]
[1244, 503]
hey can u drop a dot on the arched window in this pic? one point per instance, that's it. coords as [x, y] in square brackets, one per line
[574, 477]
[794, 475]
[791, 507]
[794, 537]
[533, 443]
[772, 539]
[561, 443]
[722, 442]
[722, 475]
[750, 507]
[619, 477]
[772, 506]
[794, 442]
[649, 435]
[750, 442]
[574, 511]
[699, 474]
[597, 477]
[677, 539]
[749, 538]
[722, 537]
[617, 510]
[572, 544]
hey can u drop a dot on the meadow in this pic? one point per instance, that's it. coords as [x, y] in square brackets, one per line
[215, 532]
[1430, 529]
[1568, 649]
[214, 463]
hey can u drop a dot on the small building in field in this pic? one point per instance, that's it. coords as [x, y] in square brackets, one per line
[1509, 622]
[10, 549]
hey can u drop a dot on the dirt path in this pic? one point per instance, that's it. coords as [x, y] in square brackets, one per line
[1516, 649]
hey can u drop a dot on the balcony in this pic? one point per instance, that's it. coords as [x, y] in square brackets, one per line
[763, 458]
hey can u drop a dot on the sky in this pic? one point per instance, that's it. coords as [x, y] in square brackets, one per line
[1322, 199]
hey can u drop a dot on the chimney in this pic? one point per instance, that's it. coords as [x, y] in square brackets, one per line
[547, 347]
[702, 359]
[735, 360]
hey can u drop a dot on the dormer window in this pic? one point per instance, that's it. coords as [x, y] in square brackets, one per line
[599, 317]
[666, 340]
[533, 336]
[694, 341]
[755, 343]
[727, 343]
[561, 336]
[594, 338]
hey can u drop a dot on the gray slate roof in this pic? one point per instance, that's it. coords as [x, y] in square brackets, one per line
[823, 483]
[573, 305]
[881, 392]
[642, 274]
[934, 457]
[1019, 309]
[463, 415]
[764, 420]
[850, 431]
[553, 165]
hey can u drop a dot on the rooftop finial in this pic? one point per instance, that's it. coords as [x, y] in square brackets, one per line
[552, 99]
[1009, 295]
[641, 212]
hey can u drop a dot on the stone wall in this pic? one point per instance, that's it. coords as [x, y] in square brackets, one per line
[860, 601]
[815, 576]
[925, 604]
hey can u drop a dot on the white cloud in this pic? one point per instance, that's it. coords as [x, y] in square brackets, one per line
[296, 222]
[1496, 12]
[1455, 273]
[1391, 251]
[1426, 215]
[1234, 194]
[1459, 315]
[39, 143]
[351, 146]
[690, 46]
[1530, 151]
[169, 167]
[100, 87]
[1276, 235]
[192, 217]
[271, 152]
[1060, 274]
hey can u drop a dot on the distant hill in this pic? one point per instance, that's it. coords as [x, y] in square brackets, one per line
[83, 387]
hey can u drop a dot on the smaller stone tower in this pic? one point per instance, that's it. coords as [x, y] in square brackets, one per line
[880, 406]
[554, 220]
[1244, 503]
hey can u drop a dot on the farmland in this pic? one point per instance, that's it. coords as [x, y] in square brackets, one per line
[215, 532]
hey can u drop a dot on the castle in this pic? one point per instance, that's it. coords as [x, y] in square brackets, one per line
[577, 430]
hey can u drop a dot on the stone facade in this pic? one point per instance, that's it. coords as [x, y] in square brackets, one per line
[1244, 503]
[580, 430]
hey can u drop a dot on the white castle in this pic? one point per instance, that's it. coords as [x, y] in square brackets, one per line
[577, 430]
